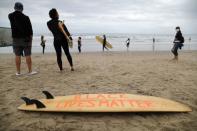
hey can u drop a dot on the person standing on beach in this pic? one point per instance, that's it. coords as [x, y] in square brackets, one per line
[104, 42]
[128, 43]
[43, 44]
[153, 40]
[190, 43]
[178, 43]
[79, 44]
[190, 39]
[61, 38]
[22, 34]
[153, 44]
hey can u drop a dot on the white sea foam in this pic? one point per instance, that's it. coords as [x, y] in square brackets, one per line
[139, 42]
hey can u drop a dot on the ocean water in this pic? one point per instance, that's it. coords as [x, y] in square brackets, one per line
[139, 42]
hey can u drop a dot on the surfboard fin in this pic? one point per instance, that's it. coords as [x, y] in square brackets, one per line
[27, 100]
[38, 103]
[48, 95]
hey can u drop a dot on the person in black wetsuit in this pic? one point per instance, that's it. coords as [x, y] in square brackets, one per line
[79, 44]
[104, 42]
[43, 43]
[178, 43]
[128, 43]
[61, 38]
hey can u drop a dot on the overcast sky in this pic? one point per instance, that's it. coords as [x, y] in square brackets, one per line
[109, 16]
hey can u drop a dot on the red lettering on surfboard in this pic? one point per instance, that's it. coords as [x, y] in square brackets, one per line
[91, 103]
[100, 96]
[101, 101]
[114, 103]
[122, 103]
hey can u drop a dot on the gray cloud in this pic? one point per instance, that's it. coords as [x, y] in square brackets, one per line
[129, 16]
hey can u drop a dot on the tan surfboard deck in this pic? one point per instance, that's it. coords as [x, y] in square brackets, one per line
[100, 40]
[102, 103]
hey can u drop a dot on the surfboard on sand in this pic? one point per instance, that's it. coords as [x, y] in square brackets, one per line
[100, 40]
[102, 103]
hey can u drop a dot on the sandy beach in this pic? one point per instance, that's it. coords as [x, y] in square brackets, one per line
[144, 73]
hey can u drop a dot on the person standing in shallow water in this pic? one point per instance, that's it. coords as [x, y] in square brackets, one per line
[128, 43]
[153, 44]
[104, 42]
[43, 44]
[61, 38]
[178, 43]
[79, 44]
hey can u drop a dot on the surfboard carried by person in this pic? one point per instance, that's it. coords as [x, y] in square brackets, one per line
[101, 41]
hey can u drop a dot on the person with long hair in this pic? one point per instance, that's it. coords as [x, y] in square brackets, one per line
[61, 38]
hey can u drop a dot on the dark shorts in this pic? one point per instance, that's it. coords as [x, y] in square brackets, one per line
[21, 46]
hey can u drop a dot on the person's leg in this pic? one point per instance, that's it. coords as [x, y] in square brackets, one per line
[18, 64]
[17, 51]
[58, 54]
[29, 63]
[67, 53]
[43, 49]
[175, 51]
[27, 52]
[105, 45]
[79, 49]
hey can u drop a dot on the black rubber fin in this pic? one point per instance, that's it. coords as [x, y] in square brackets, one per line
[48, 95]
[38, 103]
[33, 101]
[27, 100]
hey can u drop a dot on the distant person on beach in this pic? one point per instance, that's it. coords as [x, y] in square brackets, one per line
[178, 43]
[22, 34]
[79, 44]
[153, 44]
[43, 43]
[61, 38]
[153, 40]
[128, 43]
[190, 39]
[104, 42]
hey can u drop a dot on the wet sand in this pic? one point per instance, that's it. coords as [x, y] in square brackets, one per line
[144, 73]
